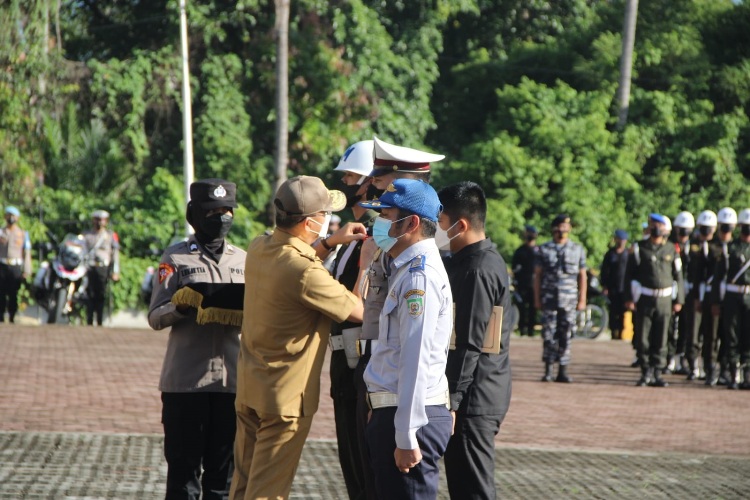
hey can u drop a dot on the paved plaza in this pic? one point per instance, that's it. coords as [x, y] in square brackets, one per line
[80, 418]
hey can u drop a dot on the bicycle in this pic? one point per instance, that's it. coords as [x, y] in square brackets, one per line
[592, 321]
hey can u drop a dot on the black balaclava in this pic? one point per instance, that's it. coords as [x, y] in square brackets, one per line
[209, 231]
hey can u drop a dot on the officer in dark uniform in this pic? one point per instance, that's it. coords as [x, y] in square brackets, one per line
[523, 279]
[613, 281]
[15, 262]
[199, 374]
[684, 224]
[479, 380]
[714, 345]
[655, 264]
[732, 275]
[700, 275]
[103, 262]
[355, 166]
[560, 283]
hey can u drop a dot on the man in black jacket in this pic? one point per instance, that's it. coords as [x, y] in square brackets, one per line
[613, 281]
[479, 381]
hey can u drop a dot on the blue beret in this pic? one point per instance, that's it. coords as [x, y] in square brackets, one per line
[410, 195]
[621, 233]
[12, 211]
[661, 219]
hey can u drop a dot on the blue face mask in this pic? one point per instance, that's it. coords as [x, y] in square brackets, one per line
[380, 231]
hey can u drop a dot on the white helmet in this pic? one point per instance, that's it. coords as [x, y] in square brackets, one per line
[727, 215]
[684, 219]
[358, 158]
[744, 217]
[707, 218]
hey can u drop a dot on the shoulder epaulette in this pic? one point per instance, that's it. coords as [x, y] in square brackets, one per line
[417, 263]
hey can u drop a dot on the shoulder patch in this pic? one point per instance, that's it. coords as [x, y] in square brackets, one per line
[165, 270]
[414, 291]
[415, 305]
[193, 247]
[417, 263]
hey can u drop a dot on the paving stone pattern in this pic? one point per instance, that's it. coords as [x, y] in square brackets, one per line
[80, 418]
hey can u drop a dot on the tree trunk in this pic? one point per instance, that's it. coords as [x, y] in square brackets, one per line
[626, 62]
[282, 98]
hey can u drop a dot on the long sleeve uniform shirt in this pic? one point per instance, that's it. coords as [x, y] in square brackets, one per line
[655, 266]
[415, 329]
[198, 357]
[480, 383]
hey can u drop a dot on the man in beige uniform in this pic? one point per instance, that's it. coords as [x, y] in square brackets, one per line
[199, 373]
[103, 261]
[290, 300]
[15, 262]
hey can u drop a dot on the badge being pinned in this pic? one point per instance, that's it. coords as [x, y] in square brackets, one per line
[414, 302]
[165, 270]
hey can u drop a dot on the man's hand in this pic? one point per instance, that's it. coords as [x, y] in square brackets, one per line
[367, 252]
[453, 428]
[715, 310]
[406, 459]
[697, 305]
[581, 305]
[677, 308]
[630, 305]
[348, 233]
[115, 277]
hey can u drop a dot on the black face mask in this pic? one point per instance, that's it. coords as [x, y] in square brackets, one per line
[726, 228]
[655, 232]
[373, 192]
[530, 237]
[11, 219]
[683, 231]
[745, 230]
[704, 230]
[350, 192]
[216, 227]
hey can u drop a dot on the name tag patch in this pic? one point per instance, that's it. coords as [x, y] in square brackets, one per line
[192, 270]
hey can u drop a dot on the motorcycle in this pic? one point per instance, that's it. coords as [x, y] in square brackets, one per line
[60, 286]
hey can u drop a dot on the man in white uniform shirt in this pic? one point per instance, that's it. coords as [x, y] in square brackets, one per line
[408, 390]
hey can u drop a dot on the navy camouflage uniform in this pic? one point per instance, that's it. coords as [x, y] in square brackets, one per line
[560, 266]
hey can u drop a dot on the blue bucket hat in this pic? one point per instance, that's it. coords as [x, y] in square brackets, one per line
[410, 195]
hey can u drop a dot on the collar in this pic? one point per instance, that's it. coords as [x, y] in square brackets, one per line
[195, 246]
[283, 238]
[472, 249]
[368, 218]
[419, 248]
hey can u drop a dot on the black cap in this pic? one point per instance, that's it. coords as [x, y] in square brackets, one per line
[530, 229]
[560, 219]
[213, 193]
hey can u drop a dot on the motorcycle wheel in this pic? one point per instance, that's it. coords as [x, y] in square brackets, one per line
[56, 311]
[592, 321]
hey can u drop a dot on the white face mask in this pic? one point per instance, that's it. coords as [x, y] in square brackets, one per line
[323, 227]
[442, 240]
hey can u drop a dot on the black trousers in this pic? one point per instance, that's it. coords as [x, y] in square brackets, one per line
[97, 294]
[199, 430]
[470, 457]
[10, 283]
[363, 411]
[616, 312]
[421, 482]
[344, 395]
[526, 312]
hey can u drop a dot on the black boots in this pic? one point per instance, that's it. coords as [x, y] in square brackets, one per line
[746, 376]
[548, 367]
[658, 381]
[562, 375]
[646, 376]
[733, 382]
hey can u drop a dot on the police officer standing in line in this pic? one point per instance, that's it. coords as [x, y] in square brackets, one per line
[732, 280]
[727, 218]
[355, 165]
[523, 278]
[479, 381]
[15, 262]
[103, 262]
[559, 290]
[684, 224]
[199, 374]
[411, 424]
[655, 264]
[390, 162]
[613, 281]
[700, 276]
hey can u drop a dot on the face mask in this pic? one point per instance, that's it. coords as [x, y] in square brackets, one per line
[350, 192]
[530, 237]
[655, 232]
[11, 219]
[216, 226]
[373, 192]
[726, 228]
[380, 230]
[745, 230]
[442, 240]
[683, 231]
[323, 227]
[704, 230]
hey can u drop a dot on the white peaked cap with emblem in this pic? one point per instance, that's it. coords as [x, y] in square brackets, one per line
[685, 220]
[727, 215]
[391, 158]
[357, 158]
